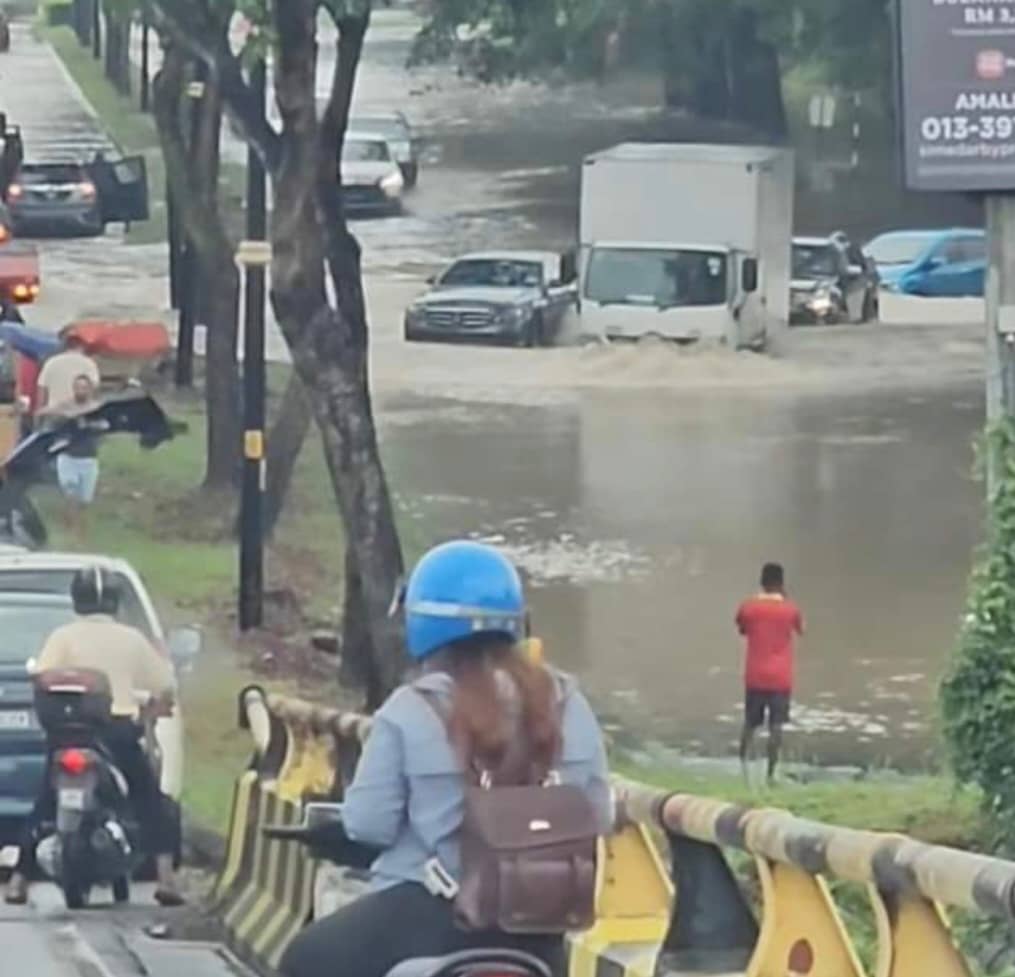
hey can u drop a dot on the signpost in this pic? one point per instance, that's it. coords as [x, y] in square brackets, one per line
[956, 74]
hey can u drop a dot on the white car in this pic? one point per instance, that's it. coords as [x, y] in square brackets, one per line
[372, 181]
[34, 600]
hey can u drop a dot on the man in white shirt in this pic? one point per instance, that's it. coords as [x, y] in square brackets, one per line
[56, 381]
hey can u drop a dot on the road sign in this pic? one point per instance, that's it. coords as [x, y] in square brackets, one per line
[957, 87]
[821, 111]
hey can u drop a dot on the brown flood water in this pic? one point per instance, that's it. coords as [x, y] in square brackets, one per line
[641, 521]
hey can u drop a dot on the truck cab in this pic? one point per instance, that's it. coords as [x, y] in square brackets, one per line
[674, 291]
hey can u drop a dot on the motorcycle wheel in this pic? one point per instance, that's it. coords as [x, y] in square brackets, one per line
[75, 892]
[121, 890]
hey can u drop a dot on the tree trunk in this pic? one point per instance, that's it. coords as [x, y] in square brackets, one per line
[285, 442]
[193, 174]
[359, 668]
[329, 345]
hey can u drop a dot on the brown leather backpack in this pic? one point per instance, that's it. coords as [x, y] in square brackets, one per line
[528, 851]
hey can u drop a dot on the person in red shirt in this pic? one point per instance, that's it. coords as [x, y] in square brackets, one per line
[770, 623]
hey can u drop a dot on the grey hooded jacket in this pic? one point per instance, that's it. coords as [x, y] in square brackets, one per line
[408, 793]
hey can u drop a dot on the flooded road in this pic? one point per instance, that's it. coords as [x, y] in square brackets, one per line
[642, 521]
[641, 488]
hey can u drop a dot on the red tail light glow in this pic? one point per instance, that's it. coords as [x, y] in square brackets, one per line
[74, 762]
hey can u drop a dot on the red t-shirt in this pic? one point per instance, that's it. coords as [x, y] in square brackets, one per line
[769, 622]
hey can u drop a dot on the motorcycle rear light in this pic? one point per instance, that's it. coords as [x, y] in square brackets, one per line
[74, 762]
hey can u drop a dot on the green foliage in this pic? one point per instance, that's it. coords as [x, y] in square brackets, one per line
[978, 693]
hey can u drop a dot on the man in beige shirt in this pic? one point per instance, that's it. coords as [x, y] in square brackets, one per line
[56, 380]
[133, 666]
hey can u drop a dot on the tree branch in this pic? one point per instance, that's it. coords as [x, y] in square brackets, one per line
[193, 26]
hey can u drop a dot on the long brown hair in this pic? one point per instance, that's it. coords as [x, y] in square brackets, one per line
[481, 722]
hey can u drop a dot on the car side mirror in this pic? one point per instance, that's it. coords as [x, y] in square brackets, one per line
[185, 645]
[749, 275]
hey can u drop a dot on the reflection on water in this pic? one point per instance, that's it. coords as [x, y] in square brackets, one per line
[642, 521]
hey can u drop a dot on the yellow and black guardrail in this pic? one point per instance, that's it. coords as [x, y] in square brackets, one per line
[684, 914]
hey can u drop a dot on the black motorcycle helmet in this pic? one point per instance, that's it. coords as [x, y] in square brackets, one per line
[94, 591]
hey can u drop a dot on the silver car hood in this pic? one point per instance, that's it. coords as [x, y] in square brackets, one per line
[486, 294]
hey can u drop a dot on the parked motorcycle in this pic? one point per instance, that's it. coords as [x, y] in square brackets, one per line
[94, 840]
[324, 835]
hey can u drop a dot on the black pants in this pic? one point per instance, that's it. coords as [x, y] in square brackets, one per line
[368, 937]
[121, 739]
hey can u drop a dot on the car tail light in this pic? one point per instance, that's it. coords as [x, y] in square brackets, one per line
[87, 189]
[14, 191]
[74, 762]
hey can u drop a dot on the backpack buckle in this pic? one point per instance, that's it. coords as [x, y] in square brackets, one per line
[437, 880]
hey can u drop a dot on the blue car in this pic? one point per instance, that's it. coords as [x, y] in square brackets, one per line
[936, 264]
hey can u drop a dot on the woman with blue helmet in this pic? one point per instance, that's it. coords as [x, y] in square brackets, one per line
[465, 617]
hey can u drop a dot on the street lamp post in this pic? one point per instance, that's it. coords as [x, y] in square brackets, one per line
[145, 68]
[254, 255]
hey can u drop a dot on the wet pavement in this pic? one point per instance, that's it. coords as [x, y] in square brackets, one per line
[44, 939]
[641, 487]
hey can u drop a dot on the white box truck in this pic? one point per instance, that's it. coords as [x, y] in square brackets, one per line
[687, 242]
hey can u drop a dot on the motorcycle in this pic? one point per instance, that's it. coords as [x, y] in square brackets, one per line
[94, 840]
[325, 837]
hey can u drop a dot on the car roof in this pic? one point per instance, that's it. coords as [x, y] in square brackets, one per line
[813, 242]
[538, 256]
[35, 598]
[62, 562]
[931, 233]
[362, 135]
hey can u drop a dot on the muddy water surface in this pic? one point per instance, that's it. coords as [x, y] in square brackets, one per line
[641, 521]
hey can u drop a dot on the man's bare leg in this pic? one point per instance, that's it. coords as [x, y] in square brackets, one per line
[774, 749]
[746, 750]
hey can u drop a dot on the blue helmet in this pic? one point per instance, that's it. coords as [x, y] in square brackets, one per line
[459, 590]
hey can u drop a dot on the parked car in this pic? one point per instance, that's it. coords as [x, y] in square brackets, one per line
[831, 282]
[78, 197]
[517, 297]
[34, 600]
[395, 128]
[941, 263]
[372, 182]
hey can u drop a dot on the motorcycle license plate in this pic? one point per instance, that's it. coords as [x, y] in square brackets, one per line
[15, 720]
[72, 799]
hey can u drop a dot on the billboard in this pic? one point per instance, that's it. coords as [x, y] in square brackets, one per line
[956, 77]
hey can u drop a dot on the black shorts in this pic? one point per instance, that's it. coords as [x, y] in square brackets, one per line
[759, 703]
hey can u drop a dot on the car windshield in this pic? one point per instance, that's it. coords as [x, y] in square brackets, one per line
[665, 279]
[898, 249]
[494, 272]
[814, 261]
[57, 173]
[365, 151]
[56, 583]
[26, 623]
